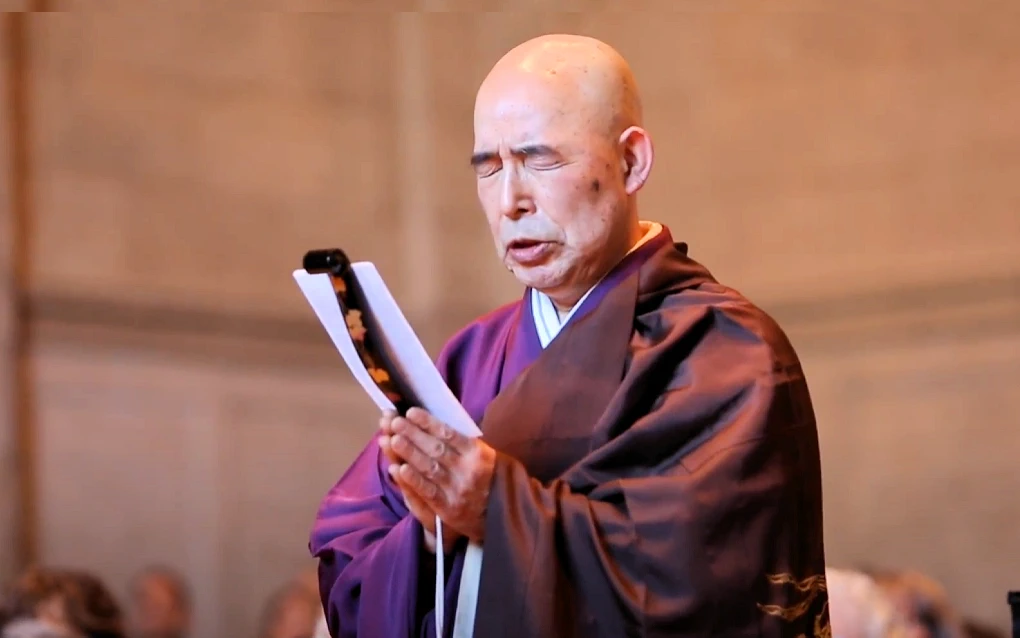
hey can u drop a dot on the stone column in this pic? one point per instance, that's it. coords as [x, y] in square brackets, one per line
[417, 174]
[13, 46]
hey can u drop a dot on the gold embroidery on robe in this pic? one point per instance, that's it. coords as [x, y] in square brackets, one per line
[810, 588]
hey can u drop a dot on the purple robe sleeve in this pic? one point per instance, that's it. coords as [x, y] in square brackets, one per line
[702, 517]
[370, 552]
[375, 576]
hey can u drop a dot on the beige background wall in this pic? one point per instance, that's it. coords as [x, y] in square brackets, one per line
[857, 174]
[8, 457]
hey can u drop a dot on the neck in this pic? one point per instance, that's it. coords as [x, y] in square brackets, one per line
[565, 300]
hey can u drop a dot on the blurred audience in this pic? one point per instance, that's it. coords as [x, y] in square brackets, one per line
[321, 629]
[292, 611]
[923, 601]
[859, 608]
[48, 602]
[60, 603]
[895, 604]
[159, 604]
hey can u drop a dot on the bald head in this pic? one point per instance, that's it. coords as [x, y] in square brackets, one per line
[585, 78]
[559, 155]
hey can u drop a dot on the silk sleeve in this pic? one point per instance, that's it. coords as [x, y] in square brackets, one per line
[369, 552]
[662, 533]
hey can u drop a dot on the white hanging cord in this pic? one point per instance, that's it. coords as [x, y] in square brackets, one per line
[440, 578]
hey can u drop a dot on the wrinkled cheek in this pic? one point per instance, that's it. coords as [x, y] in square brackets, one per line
[588, 232]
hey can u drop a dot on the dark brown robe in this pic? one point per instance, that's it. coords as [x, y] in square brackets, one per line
[659, 473]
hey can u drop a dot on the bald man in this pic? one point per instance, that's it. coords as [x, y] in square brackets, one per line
[649, 462]
[159, 604]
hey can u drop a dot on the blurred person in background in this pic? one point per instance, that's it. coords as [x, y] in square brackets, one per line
[60, 603]
[859, 608]
[923, 601]
[292, 611]
[321, 629]
[310, 580]
[159, 604]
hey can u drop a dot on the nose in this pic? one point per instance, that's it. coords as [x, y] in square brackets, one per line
[514, 200]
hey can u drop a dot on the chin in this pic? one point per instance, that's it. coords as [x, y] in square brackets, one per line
[538, 277]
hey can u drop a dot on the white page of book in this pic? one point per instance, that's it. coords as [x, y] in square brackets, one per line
[397, 339]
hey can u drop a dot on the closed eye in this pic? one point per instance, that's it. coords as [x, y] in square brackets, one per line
[487, 169]
[544, 163]
[540, 157]
[537, 157]
[486, 163]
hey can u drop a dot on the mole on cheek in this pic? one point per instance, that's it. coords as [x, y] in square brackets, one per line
[595, 186]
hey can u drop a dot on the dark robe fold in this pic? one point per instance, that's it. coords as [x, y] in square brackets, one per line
[658, 475]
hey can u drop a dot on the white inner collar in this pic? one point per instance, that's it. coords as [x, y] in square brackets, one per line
[548, 319]
[548, 323]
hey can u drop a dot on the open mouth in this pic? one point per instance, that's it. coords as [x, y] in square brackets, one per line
[529, 252]
[523, 244]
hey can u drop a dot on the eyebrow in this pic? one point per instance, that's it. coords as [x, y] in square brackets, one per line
[530, 150]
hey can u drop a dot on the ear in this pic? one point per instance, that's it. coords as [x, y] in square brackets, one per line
[638, 156]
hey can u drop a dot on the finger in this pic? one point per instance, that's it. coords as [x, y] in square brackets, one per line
[426, 442]
[386, 421]
[425, 489]
[420, 509]
[386, 445]
[431, 468]
[393, 469]
[415, 503]
[438, 429]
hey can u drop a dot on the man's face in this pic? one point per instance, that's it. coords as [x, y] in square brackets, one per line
[295, 619]
[551, 184]
[155, 611]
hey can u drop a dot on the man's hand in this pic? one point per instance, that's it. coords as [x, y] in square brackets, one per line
[447, 472]
[419, 509]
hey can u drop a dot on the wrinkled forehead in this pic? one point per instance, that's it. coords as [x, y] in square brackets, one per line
[529, 112]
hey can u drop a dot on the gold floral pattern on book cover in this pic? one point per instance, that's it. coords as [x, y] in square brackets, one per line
[360, 337]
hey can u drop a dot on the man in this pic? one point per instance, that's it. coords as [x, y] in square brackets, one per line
[292, 611]
[649, 464]
[860, 609]
[159, 604]
[922, 601]
[49, 602]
